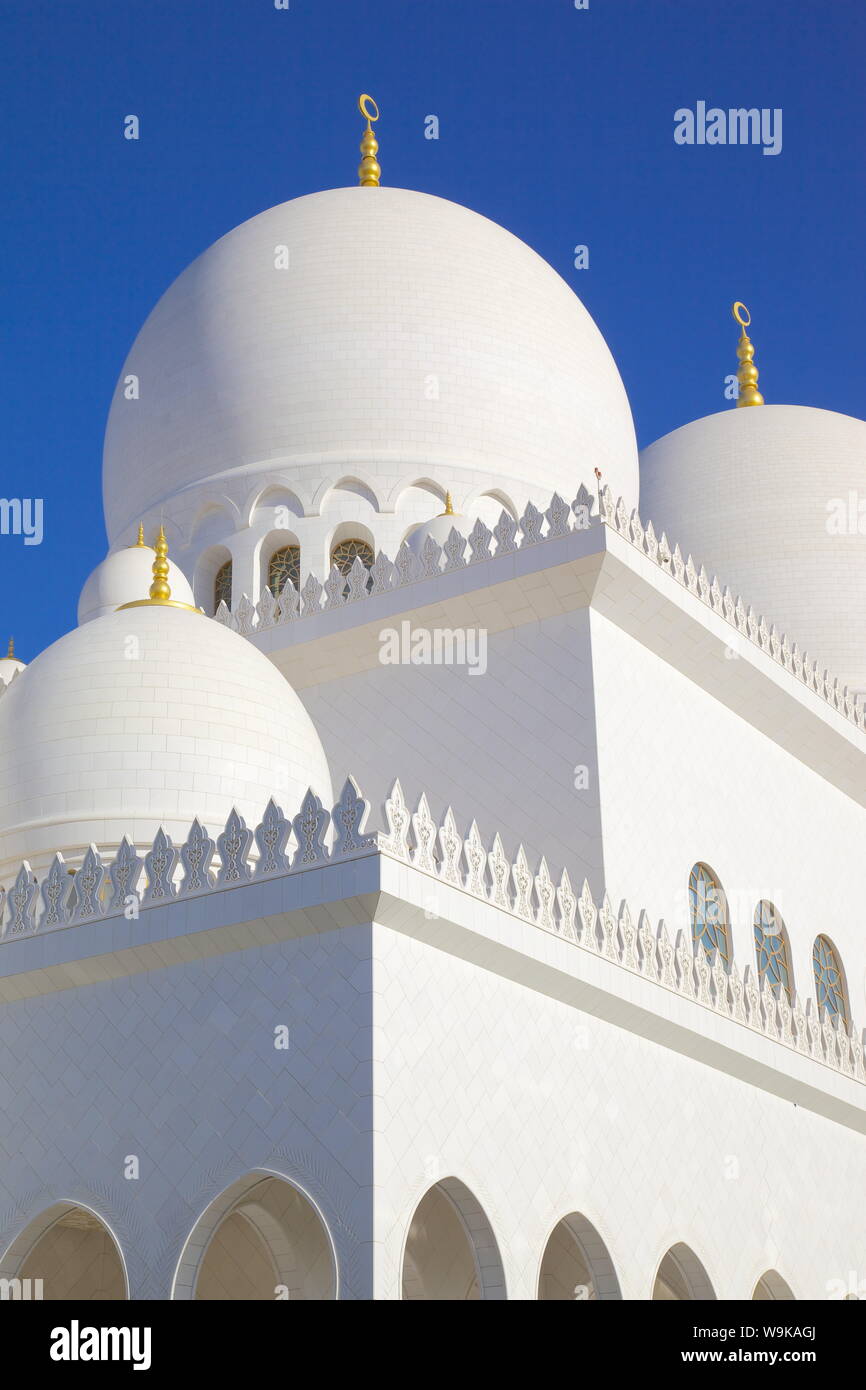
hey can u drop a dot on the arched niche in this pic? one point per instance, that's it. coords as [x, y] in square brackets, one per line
[207, 568]
[451, 1253]
[681, 1278]
[576, 1265]
[348, 490]
[262, 1239]
[215, 523]
[272, 545]
[72, 1253]
[489, 506]
[272, 505]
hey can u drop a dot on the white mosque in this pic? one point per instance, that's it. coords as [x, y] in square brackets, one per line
[442, 877]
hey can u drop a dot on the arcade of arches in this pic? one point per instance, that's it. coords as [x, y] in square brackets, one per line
[263, 1239]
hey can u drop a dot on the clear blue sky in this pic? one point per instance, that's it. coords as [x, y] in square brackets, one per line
[558, 123]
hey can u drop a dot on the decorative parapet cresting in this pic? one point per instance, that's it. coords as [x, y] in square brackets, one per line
[316, 837]
[535, 527]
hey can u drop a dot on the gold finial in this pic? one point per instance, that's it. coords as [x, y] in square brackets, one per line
[369, 170]
[747, 372]
[159, 589]
[160, 592]
[11, 652]
[141, 543]
[449, 505]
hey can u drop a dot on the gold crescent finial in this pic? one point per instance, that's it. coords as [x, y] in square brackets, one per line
[369, 170]
[747, 372]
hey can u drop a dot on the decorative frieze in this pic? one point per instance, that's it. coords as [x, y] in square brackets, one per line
[509, 536]
[439, 849]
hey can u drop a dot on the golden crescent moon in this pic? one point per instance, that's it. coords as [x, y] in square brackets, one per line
[362, 107]
[743, 322]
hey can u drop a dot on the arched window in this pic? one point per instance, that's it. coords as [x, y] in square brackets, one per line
[709, 912]
[829, 981]
[284, 564]
[771, 948]
[347, 552]
[222, 586]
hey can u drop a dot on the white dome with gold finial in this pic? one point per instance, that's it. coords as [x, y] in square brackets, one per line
[371, 336]
[123, 576]
[149, 716]
[763, 499]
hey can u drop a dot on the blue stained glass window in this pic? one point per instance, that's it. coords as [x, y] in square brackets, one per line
[829, 981]
[709, 912]
[771, 948]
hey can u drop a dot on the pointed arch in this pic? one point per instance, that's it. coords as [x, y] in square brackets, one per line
[263, 1237]
[681, 1277]
[72, 1249]
[771, 1286]
[450, 1252]
[576, 1264]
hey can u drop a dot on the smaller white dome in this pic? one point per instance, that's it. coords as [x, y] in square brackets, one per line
[767, 499]
[124, 576]
[439, 528]
[147, 717]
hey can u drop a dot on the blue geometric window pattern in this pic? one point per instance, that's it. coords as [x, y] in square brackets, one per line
[709, 912]
[829, 984]
[771, 948]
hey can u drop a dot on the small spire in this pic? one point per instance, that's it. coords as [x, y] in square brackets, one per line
[140, 540]
[449, 505]
[11, 652]
[747, 373]
[369, 170]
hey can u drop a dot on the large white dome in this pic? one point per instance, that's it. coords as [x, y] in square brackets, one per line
[147, 717]
[364, 331]
[762, 498]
